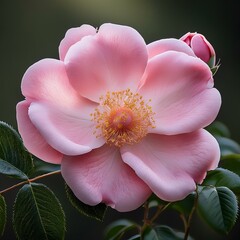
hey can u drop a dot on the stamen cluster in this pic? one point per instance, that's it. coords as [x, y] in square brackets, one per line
[123, 117]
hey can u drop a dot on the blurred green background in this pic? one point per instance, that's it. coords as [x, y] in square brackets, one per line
[32, 30]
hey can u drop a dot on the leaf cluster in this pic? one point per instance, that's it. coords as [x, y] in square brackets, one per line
[37, 212]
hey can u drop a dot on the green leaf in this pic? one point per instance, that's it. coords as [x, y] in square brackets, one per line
[135, 237]
[154, 201]
[3, 214]
[12, 149]
[117, 229]
[218, 207]
[231, 162]
[41, 167]
[167, 233]
[228, 146]
[218, 129]
[149, 234]
[8, 169]
[163, 233]
[221, 177]
[38, 214]
[185, 206]
[97, 212]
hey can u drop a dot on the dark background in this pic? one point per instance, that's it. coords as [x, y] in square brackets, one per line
[32, 30]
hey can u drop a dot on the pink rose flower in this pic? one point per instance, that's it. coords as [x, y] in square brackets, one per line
[124, 119]
[201, 47]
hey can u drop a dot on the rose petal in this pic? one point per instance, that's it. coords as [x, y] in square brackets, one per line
[179, 87]
[72, 36]
[113, 60]
[200, 48]
[170, 165]
[32, 139]
[101, 176]
[66, 130]
[47, 80]
[170, 44]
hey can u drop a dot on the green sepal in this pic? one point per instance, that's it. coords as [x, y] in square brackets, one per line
[215, 69]
[211, 62]
[97, 212]
[38, 214]
[3, 215]
[218, 207]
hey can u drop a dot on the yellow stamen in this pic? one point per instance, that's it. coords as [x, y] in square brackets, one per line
[122, 118]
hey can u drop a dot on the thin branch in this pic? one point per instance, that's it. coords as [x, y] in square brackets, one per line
[145, 217]
[185, 222]
[187, 230]
[44, 175]
[29, 181]
[14, 186]
[160, 209]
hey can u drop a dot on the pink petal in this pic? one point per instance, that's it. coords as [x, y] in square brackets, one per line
[69, 131]
[200, 47]
[32, 139]
[180, 89]
[112, 60]
[171, 44]
[101, 176]
[47, 80]
[170, 165]
[72, 36]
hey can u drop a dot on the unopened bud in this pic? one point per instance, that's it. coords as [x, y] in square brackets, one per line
[201, 47]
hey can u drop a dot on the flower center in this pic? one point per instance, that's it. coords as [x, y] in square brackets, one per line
[122, 118]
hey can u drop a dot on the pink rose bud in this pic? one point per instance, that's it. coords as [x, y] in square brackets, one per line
[201, 47]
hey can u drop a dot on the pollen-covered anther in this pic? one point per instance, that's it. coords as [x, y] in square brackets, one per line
[123, 118]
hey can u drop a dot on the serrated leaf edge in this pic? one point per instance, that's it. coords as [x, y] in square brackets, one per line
[4, 209]
[30, 184]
